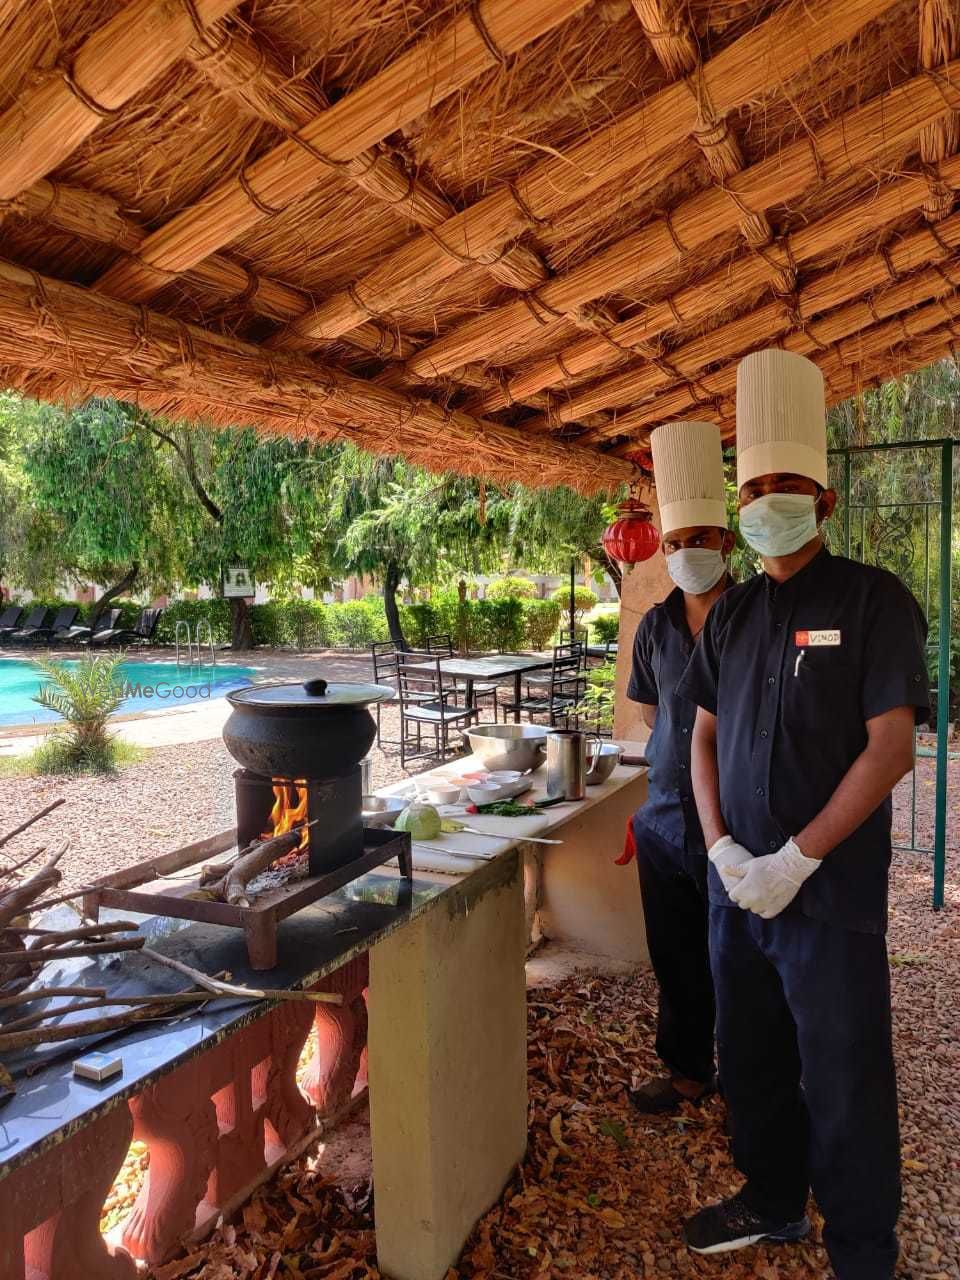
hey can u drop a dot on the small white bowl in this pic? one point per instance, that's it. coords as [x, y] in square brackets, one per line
[500, 776]
[444, 793]
[483, 792]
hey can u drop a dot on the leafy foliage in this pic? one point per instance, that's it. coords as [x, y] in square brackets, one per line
[595, 708]
[583, 598]
[85, 694]
[606, 626]
[518, 588]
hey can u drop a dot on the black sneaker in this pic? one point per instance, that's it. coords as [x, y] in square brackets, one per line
[730, 1225]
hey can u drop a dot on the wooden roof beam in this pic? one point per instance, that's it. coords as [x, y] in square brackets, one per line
[93, 216]
[674, 43]
[828, 289]
[235, 62]
[483, 36]
[939, 44]
[886, 122]
[61, 106]
[638, 334]
[95, 345]
[889, 317]
[841, 380]
[771, 54]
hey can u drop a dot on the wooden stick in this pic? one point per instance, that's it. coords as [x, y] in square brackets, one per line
[55, 938]
[169, 1000]
[16, 901]
[228, 988]
[54, 804]
[44, 955]
[46, 1035]
[41, 993]
[18, 866]
[254, 859]
[64, 897]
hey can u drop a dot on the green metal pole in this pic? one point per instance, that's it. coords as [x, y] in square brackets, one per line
[943, 672]
[848, 514]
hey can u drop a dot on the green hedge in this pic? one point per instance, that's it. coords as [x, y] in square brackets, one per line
[481, 624]
[309, 624]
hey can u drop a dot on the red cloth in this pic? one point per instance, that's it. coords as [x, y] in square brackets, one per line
[629, 847]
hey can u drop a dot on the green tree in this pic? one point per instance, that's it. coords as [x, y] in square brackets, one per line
[101, 497]
[393, 521]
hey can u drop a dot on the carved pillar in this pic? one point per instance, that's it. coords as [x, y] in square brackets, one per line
[333, 1074]
[287, 1115]
[176, 1119]
[51, 1207]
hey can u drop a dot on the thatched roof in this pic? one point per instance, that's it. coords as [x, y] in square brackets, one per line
[506, 237]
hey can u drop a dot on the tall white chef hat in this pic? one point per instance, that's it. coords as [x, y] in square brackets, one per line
[781, 417]
[688, 470]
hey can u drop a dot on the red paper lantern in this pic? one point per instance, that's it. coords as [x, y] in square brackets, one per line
[632, 538]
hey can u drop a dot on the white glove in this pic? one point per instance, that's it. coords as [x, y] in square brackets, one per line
[727, 855]
[771, 882]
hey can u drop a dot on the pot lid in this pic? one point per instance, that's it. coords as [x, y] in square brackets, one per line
[312, 695]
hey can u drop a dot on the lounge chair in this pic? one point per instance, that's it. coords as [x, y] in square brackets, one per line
[80, 634]
[64, 619]
[36, 621]
[10, 620]
[140, 634]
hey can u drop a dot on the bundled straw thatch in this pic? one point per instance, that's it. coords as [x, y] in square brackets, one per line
[508, 236]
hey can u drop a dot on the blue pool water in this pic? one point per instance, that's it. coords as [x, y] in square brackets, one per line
[151, 686]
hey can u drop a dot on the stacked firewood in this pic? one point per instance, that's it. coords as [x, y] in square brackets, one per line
[29, 886]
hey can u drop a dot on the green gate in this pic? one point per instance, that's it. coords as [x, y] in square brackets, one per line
[895, 509]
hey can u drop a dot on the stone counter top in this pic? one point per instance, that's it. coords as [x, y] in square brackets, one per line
[506, 833]
[50, 1105]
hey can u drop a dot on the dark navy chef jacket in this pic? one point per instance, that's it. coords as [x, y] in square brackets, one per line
[793, 671]
[661, 650]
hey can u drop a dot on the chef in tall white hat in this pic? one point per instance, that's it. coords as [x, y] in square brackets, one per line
[688, 469]
[809, 679]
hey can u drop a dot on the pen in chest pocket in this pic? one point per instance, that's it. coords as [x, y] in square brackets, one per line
[796, 666]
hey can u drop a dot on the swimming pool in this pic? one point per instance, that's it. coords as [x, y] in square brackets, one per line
[150, 686]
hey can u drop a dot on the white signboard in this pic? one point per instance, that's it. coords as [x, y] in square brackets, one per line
[238, 581]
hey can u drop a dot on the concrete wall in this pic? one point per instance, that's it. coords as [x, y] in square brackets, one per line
[643, 585]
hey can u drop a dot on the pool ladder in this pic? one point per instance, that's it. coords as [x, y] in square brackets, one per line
[202, 639]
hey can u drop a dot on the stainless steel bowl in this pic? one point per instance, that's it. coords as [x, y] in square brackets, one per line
[381, 811]
[509, 746]
[601, 762]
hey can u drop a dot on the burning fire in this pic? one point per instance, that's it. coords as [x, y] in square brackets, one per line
[289, 811]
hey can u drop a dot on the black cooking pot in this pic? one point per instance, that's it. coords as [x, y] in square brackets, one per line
[312, 730]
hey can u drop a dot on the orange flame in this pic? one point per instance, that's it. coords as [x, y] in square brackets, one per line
[289, 811]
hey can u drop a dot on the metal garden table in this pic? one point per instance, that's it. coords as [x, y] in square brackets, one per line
[495, 667]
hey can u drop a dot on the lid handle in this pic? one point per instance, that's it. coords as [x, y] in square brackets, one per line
[316, 687]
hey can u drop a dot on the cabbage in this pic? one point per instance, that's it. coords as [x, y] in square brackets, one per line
[421, 820]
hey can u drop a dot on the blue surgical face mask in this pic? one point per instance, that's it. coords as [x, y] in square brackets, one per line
[779, 523]
[696, 569]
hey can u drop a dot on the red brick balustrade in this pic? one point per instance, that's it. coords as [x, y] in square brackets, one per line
[215, 1127]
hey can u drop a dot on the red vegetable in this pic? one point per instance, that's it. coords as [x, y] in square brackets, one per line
[471, 808]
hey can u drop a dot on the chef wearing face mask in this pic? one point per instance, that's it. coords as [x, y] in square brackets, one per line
[809, 679]
[688, 466]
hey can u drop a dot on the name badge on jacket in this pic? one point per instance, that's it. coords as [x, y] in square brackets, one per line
[815, 639]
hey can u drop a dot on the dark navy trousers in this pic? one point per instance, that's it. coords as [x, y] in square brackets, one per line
[673, 886]
[806, 1058]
